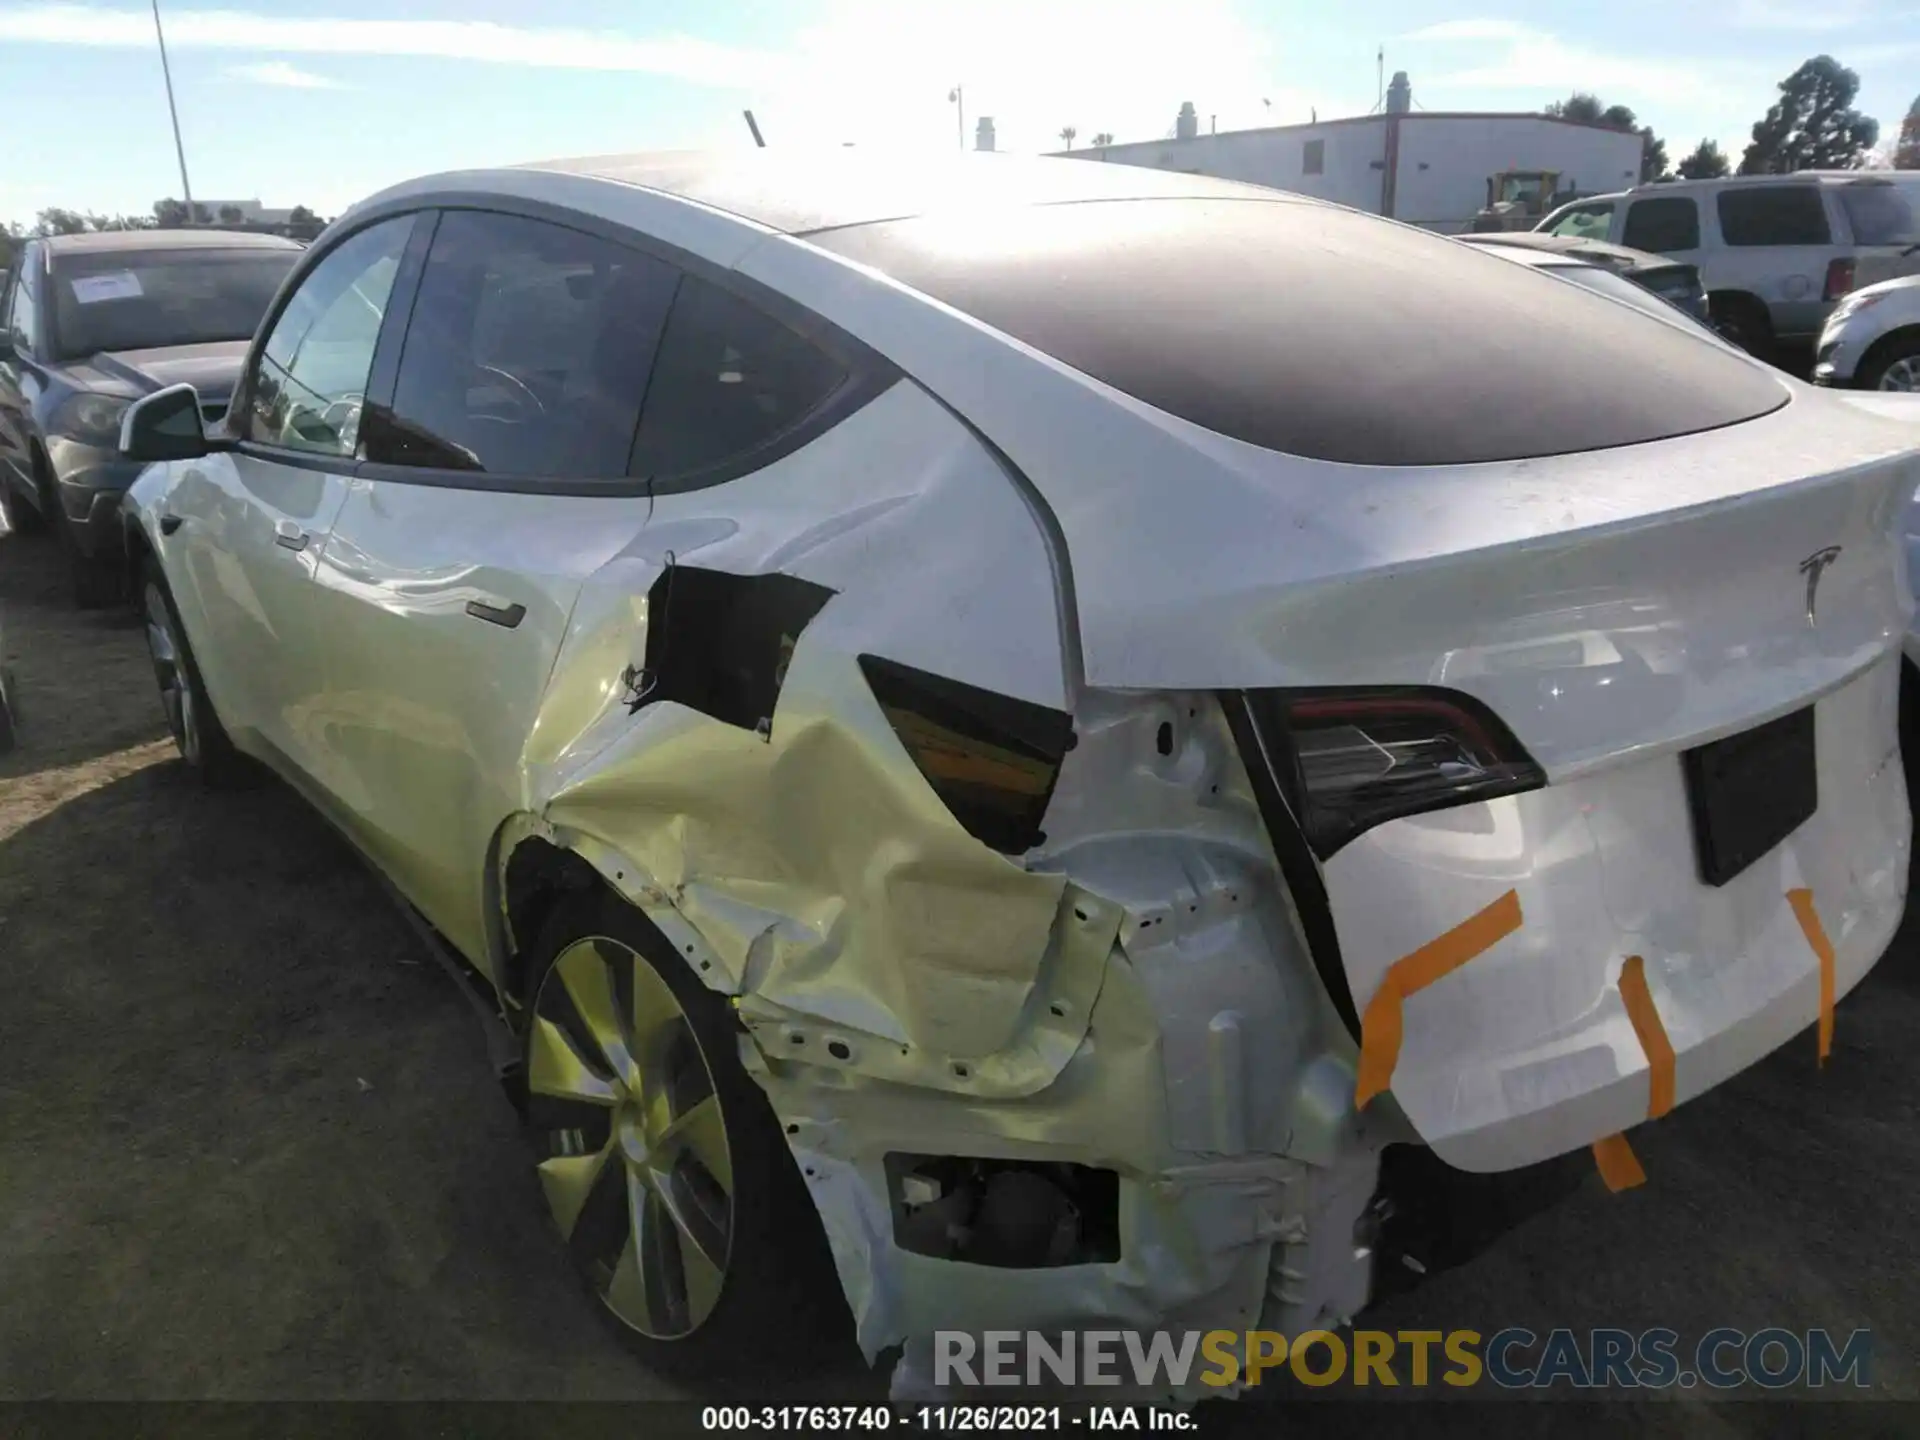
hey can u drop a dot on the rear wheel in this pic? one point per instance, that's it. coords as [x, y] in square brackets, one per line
[662, 1164]
[1894, 366]
[197, 732]
[1744, 322]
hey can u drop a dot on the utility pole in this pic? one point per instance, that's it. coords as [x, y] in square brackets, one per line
[179, 148]
[958, 95]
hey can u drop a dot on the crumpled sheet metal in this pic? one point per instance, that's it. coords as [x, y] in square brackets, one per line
[1196, 1237]
[828, 884]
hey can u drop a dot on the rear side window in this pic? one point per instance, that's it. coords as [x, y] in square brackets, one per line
[1773, 215]
[527, 353]
[730, 379]
[1584, 222]
[1318, 331]
[1881, 214]
[1670, 222]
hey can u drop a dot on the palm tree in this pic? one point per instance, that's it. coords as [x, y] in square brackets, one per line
[1103, 139]
[1067, 133]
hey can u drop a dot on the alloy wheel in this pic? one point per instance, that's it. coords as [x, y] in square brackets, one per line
[170, 671]
[639, 1174]
[1903, 374]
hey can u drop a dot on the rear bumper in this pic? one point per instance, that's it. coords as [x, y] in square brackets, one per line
[1527, 1050]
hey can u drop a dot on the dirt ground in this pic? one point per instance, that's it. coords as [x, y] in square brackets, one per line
[250, 1146]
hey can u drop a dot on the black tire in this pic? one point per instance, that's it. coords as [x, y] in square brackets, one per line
[197, 732]
[1883, 358]
[779, 1297]
[1910, 735]
[1745, 323]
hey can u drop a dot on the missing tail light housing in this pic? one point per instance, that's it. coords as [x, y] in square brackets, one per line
[1351, 759]
[993, 760]
[1840, 278]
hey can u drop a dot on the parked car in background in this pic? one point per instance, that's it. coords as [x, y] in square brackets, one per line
[1673, 281]
[1872, 339]
[1775, 252]
[93, 322]
[775, 618]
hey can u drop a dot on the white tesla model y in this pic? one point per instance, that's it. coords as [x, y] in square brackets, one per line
[1006, 728]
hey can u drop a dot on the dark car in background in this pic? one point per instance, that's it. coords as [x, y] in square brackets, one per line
[92, 323]
[1672, 280]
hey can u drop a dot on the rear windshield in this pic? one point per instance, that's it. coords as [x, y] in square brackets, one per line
[1881, 214]
[134, 300]
[1319, 331]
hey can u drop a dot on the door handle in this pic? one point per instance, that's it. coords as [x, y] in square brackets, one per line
[289, 536]
[505, 616]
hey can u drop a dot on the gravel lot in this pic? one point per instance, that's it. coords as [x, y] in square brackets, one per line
[250, 1147]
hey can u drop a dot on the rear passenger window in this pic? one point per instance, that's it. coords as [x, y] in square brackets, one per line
[729, 380]
[1773, 215]
[1671, 222]
[527, 353]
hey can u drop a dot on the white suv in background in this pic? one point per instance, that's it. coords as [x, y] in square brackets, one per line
[1775, 252]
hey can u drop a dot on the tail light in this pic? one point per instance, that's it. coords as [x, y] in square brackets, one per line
[991, 759]
[1840, 275]
[1362, 757]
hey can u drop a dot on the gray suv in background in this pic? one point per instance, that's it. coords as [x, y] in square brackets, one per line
[92, 323]
[1775, 252]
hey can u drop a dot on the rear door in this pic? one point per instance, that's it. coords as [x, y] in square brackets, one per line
[247, 525]
[1777, 243]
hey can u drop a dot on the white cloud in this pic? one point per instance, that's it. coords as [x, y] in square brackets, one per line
[473, 40]
[1809, 18]
[279, 72]
[1470, 30]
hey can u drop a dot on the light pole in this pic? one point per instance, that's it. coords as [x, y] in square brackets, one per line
[958, 95]
[179, 149]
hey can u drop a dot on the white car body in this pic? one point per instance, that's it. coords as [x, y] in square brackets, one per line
[1792, 281]
[1882, 321]
[993, 515]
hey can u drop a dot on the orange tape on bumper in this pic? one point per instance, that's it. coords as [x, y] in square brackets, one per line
[1816, 933]
[1619, 1167]
[1652, 1033]
[1380, 1026]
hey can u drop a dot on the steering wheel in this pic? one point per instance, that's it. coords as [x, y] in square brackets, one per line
[516, 384]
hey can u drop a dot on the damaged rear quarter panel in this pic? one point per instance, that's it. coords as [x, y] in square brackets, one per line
[812, 871]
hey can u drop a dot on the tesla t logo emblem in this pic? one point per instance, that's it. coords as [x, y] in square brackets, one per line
[1813, 567]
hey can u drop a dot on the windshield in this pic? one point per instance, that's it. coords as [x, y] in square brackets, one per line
[1882, 213]
[152, 300]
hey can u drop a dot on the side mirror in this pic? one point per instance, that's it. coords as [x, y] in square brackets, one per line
[165, 425]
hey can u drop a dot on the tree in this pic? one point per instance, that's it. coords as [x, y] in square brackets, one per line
[1906, 150]
[1067, 132]
[1586, 109]
[1813, 125]
[231, 215]
[169, 214]
[1103, 139]
[303, 224]
[200, 214]
[56, 221]
[1707, 162]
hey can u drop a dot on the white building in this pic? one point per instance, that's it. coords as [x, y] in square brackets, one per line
[252, 212]
[1425, 167]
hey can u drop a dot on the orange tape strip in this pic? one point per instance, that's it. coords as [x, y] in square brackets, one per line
[1619, 1167]
[1380, 1026]
[1816, 933]
[1653, 1036]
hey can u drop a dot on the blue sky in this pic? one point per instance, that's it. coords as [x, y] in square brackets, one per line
[319, 102]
